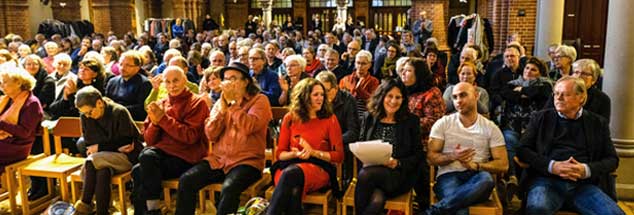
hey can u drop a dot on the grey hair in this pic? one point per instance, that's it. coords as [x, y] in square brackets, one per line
[590, 64]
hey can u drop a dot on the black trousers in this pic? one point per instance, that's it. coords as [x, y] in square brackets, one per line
[234, 183]
[375, 185]
[154, 166]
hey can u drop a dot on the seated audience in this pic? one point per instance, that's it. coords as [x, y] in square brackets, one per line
[130, 88]
[564, 56]
[209, 88]
[174, 137]
[312, 62]
[570, 156]
[90, 73]
[468, 149]
[385, 66]
[331, 64]
[344, 107]
[361, 84]
[522, 98]
[388, 119]
[267, 80]
[295, 66]
[597, 102]
[113, 143]
[424, 101]
[309, 146]
[237, 129]
[467, 73]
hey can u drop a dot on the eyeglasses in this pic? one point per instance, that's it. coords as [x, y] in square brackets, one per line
[255, 58]
[232, 78]
[88, 113]
[584, 74]
[362, 63]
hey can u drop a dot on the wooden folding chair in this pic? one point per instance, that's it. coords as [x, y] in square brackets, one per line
[318, 197]
[9, 181]
[278, 115]
[492, 206]
[401, 203]
[58, 166]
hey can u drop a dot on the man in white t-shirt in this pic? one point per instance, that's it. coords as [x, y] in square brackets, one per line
[468, 148]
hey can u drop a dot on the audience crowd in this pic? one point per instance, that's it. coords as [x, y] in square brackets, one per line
[538, 129]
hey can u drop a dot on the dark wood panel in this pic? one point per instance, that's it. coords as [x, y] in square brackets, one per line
[585, 25]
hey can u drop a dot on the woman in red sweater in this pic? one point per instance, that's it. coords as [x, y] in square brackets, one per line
[310, 142]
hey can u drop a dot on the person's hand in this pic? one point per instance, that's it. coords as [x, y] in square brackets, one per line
[4, 135]
[464, 155]
[517, 89]
[126, 148]
[470, 165]
[345, 56]
[283, 84]
[307, 150]
[69, 88]
[391, 163]
[83, 50]
[155, 112]
[229, 90]
[92, 149]
[569, 169]
[348, 85]
[156, 81]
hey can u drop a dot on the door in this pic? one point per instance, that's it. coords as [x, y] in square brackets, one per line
[585, 25]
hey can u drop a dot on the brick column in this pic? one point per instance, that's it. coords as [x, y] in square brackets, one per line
[122, 17]
[66, 10]
[14, 18]
[617, 83]
[101, 16]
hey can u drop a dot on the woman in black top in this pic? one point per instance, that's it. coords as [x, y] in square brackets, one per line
[388, 119]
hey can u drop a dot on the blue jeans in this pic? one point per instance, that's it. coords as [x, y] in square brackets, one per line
[458, 190]
[512, 140]
[547, 195]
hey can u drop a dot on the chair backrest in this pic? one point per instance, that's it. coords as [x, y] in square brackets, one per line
[65, 127]
[279, 112]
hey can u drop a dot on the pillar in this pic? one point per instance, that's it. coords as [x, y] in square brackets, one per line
[342, 10]
[66, 10]
[267, 9]
[617, 82]
[550, 25]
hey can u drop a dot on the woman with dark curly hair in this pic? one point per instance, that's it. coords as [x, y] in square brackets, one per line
[310, 142]
[388, 119]
[425, 101]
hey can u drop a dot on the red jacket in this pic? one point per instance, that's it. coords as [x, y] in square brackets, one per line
[180, 132]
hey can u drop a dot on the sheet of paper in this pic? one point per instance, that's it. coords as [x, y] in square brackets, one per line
[374, 152]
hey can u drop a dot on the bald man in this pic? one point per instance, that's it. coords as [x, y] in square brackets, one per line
[467, 148]
[174, 137]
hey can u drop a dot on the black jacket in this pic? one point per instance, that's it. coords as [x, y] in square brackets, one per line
[44, 88]
[345, 107]
[407, 148]
[537, 141]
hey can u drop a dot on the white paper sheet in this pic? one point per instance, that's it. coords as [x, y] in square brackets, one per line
[374, 152]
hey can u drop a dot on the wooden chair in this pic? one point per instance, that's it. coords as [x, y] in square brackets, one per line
[120, 180]
[58, 166]
[9, 181]
[317, 197]
[491, 206]
[402, 202]
[278, 115]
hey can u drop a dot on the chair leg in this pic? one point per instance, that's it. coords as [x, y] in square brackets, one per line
[167, 199]
[325, 208]
[122, 203]
[201, 200]
[23, 194]
[73, 191]
[63, 188]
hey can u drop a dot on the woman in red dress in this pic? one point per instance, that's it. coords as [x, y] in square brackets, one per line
[310, 142]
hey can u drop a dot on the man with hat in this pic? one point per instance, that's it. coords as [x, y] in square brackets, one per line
[175, 140]
[237, 130]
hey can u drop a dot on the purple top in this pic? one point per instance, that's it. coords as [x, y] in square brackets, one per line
[18, 146]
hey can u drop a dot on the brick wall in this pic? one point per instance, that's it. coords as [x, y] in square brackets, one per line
[14, 18]
[505, 21]
[66, 10]
[122, 17]
[438, 12]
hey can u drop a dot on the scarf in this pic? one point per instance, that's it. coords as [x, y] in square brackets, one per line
[310, 69]
[12, 114]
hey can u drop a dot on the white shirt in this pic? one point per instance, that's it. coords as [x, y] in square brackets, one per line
[482, 135]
